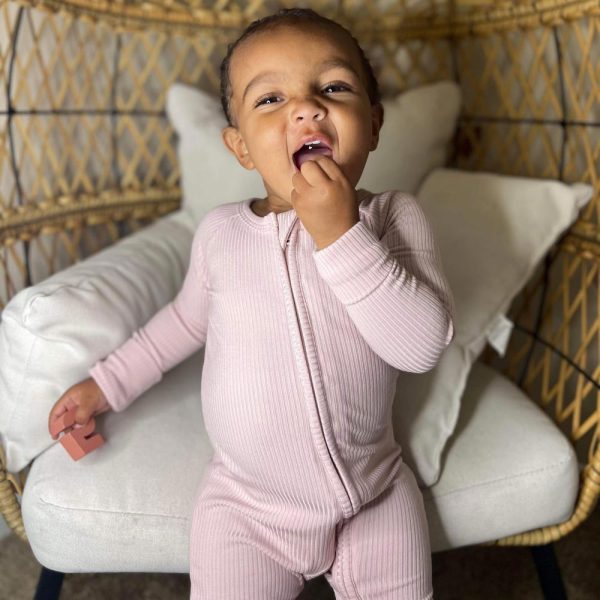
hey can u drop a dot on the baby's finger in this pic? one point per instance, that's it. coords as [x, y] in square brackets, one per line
[299, 183]
[59, 409]
[313, 172]
[62, 423]
[330, 167]
[67, 404]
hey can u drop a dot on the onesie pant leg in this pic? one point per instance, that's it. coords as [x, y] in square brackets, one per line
[383, 552]
[228, 563]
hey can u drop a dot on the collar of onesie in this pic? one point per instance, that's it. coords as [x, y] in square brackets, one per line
[283, 223]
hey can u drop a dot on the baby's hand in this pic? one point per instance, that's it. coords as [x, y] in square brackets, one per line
[86, 396]
[324, 200]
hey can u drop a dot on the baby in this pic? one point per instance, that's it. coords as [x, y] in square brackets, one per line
[308, 302]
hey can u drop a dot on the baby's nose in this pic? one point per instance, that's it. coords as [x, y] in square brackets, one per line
[308, 110]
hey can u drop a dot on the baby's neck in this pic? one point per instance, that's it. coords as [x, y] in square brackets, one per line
[262, 208]
[257, 208]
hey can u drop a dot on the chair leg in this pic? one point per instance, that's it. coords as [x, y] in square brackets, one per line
[49, 585]
[548, 571]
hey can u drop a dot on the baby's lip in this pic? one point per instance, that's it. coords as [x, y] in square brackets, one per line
[313, 137]
[322, 140]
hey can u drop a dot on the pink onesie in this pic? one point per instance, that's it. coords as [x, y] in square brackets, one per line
[302, 354]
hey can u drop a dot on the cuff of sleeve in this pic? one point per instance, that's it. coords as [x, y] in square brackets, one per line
[97, 373]
[355, 264]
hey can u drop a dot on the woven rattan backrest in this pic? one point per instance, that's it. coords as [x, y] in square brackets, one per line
[87, 155]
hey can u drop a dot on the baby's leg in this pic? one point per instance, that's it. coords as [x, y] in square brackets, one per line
[383, 552]
[227, 562]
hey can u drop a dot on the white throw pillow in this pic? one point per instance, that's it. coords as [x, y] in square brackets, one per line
[53, 332]
[210, 174]
[492, 231]
[418, 125]
[417, 128]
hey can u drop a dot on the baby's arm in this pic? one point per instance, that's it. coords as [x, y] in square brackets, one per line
[175, 332]
[394, 289]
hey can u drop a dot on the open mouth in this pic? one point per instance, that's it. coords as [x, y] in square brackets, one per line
[309, 150]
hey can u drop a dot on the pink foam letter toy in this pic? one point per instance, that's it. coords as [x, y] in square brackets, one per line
[77, 440]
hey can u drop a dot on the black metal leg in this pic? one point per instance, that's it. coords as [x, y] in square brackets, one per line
[548, 571]
[49, 585]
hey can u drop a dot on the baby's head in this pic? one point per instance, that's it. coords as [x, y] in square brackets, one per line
[294, 77]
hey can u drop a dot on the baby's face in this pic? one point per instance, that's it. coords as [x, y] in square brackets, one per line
[290, 86]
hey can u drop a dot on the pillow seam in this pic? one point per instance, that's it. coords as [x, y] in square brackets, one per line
[109, 512]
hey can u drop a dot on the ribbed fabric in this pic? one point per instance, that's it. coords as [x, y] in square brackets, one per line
[302, 354]
[383, 552]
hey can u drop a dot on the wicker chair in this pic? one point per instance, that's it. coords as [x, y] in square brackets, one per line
[115, 170]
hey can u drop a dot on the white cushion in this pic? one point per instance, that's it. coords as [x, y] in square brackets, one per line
[127, 505]
[492, 231]
[53, 332]
[507, 468]
[418, 125]
[138, 488]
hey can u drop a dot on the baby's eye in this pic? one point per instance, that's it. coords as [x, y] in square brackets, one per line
[336, 87]
[267, 100]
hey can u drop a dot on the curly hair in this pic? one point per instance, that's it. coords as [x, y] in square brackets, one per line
[291, 16]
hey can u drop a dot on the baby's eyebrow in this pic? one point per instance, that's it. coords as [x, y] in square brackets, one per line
[265, 76]
[338, 63]
[327, 65]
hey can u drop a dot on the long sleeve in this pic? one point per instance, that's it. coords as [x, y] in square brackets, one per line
[394, 289]
[175, 332]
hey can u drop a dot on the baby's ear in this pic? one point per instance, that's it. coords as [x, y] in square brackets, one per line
[376, 123]
[236, 145]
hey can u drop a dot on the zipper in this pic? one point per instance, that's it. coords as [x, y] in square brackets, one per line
[332, 461]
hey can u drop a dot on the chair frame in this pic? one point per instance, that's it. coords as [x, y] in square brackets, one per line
[460, 35]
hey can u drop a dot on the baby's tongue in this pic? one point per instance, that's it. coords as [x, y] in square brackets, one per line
[305, 154]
